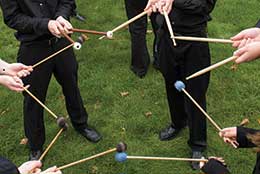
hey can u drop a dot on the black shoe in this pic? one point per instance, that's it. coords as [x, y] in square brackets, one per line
[196, 155]
[140, 73]
[35, 155]
[169, 133]
[90, 134]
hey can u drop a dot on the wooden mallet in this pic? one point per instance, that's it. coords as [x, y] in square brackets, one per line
[168, 22]
[52, 143]
[76, 44]
[109, 34]
[203, 39]
[89, 31]
[61, 121]
[121, 147]
[180, 86]
[214, 66]
[122, 157]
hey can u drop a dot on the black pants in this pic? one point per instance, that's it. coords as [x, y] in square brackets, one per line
[64, 67]
[140, 55]
[176, 63]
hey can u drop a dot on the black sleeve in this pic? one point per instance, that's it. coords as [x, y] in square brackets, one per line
[191, 6]
[7, 167]
[14, 18]
[214, 167]
[242, 139]
[65, 9]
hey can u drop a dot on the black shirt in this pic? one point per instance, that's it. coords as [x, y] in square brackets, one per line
[189, 16]
[30, 17]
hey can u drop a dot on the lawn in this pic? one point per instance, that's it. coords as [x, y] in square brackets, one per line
[104, 73]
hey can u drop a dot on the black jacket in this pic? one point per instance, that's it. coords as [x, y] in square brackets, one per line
[189, 16]
[30, 17]
[244, 142]
[7, 167]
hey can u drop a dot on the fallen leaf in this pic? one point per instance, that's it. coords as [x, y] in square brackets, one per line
[97, 105]
[24, 141]
[94, 169]
[148, 114]
[149, 31]
[244, 122]
[124, 94]
[234, 67]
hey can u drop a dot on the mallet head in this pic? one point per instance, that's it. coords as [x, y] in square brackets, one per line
[77, 46]
[179, 85]
[121, 157]
[61, 122]
[121, 147]
[110, 34]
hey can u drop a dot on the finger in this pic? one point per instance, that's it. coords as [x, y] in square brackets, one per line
[239, 52]
[68, 25]
[243, 58]
[239, 36]
[154, 8]
[148, 6]
[242, 43]
[236, 43]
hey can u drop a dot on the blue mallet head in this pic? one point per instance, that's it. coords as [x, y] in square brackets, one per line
[121, 157]
[179, 85]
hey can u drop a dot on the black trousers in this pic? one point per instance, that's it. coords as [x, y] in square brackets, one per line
[64, 67]
[176, 63]
[140, 55]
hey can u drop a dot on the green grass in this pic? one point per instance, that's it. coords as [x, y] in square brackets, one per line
[104, 73]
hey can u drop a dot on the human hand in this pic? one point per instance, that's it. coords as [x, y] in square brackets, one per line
[166, 5]
[240, 38]
[14, 83]
[29, 166]
[17, 69]
[55, 28]
[248, 53]
[229, 135]
[151, 6]
[220, 159]
[65, 24]
[52, 170]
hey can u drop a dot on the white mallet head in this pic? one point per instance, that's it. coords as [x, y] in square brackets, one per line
[110, 34]
[77, 46]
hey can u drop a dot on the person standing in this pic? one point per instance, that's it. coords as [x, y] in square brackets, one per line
[139, 52]
[188, 18]
[39, 25]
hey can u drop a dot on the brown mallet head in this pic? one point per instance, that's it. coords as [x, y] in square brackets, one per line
[121, 147]
[61, 122]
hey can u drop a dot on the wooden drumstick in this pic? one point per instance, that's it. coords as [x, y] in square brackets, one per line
[126, 23]
[87, 159]
[37, 100]
[168, 22]
[88, 31]
[201, 39]
[53, 55]
[67, 37]
[214, 66]
[207, 116]
[51, 144]
[166, 158]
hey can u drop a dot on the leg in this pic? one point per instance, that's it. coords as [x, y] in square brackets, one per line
[38, 81]
[171, 69]
[155, 42]
[198, 58]
[66, 73]
[140, 56]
